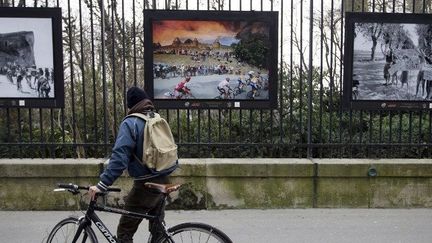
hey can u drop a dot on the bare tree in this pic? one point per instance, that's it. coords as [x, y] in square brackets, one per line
[355, 6]
[217, 4]
[372, 31]
[21, 3]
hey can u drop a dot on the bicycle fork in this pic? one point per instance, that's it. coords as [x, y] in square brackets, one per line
[83, 223]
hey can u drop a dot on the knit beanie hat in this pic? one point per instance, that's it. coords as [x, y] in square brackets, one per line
[135, 95]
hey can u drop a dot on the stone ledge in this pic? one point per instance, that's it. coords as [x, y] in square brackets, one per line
[16, 168]
[50, 168]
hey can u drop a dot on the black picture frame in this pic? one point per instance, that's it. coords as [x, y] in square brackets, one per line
[393, 77]
[205, 84]
[31, 58]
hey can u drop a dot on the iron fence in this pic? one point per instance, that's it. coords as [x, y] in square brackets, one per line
[104, 55]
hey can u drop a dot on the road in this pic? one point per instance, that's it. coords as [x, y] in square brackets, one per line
[250, 226]
[204, 86]
[9, 90]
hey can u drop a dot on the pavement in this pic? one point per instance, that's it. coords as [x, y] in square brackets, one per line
[260, 226]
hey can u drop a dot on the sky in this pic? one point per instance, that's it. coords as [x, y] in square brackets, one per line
[362, 43]
[42, 35]
[164, 32]
[299, 12]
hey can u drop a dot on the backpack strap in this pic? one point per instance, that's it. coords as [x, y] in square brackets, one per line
[145, 117]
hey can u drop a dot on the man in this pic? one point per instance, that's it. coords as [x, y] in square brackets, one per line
[44, 87]
[182, 89]
[127, 150]
[9, 75]
[254, 85]
[224, 87]
[19, 79]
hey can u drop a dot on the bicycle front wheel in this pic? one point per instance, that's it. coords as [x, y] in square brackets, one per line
[66, 229]
[195, 232]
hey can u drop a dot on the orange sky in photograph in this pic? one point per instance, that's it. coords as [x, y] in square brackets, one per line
[166, 31]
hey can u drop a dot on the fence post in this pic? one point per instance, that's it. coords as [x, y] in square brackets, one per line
[310, 88]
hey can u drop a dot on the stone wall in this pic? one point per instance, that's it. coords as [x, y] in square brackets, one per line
[27, 184]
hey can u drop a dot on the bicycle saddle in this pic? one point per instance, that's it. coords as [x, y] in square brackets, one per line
[163, 188]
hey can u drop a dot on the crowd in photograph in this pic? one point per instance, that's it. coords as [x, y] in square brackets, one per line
[197, 55]
[38, 80]
[217, 62]
[169, 71]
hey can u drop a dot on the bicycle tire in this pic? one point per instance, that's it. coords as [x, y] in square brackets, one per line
[250, 95]
[195, 232]
[237, 91]
[65, 230]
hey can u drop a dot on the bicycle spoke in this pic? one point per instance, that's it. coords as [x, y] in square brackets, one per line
[67, 232]
[208, 238]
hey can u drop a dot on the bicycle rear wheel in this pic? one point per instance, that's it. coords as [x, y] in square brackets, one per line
[66, 229]
[195, 232]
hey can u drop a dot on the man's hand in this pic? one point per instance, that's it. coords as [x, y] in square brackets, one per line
[92, 192]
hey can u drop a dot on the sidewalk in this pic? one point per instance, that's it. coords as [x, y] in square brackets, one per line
[257, 226]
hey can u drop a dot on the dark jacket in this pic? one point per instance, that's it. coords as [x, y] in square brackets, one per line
[129, 141]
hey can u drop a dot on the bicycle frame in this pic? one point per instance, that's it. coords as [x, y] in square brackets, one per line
[90, 216]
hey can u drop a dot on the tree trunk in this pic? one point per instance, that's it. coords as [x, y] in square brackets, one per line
[374, 44]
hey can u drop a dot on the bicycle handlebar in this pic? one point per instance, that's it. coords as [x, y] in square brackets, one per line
[77, 188]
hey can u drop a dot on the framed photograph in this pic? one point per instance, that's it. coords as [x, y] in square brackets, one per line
[31, 59]
[388, 61]
[211, 59]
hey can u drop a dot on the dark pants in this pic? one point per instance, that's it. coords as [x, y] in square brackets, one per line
[140, 200]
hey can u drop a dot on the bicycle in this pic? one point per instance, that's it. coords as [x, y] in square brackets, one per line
[223, 95]
[178, 95]
[253, 93]
[239, 89]
[73, 229]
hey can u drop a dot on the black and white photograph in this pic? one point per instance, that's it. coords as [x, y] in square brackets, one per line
[392, 61]
[26, 58]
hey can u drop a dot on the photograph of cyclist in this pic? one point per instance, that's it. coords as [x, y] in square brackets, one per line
[240, 86]
[255, 87]
[127, 149]
[224, 88]
[182, 90]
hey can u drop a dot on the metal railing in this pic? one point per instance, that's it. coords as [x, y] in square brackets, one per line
[103, 56]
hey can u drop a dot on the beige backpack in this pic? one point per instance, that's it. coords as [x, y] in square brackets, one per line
[159, 148]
